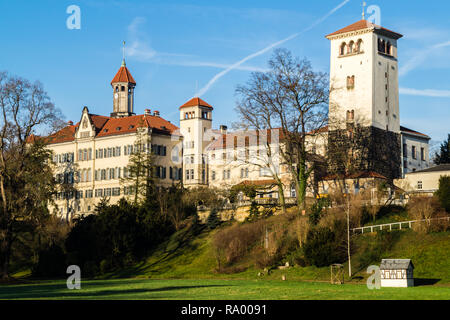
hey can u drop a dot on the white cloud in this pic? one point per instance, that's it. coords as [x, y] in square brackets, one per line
[420, 57]
[141, 50]
[426, 92]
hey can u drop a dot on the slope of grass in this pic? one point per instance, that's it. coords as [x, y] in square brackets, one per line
[189, 256]
[207, 289]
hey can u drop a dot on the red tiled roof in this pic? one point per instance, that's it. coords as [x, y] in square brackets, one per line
[221, 142]
[123, 75]
[107, 126]
[403, 129]
[196, 102]
[129, 125]
[358, 175]
[258, 182]
[364, 24]
[66, 134]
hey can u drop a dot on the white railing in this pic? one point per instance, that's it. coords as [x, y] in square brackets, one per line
[402, 224]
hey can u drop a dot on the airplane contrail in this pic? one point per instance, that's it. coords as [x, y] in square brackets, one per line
[260, 52]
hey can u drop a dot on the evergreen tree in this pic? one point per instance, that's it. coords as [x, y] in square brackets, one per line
[443, 156]
[139, 178]
[213, 219]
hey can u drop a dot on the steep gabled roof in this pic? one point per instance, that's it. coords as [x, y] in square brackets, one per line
[196, 102]
[364, 24]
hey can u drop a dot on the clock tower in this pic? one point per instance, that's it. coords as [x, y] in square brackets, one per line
[123, 86]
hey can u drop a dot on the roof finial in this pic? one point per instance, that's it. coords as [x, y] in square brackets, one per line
[364, 10]
[123, 54]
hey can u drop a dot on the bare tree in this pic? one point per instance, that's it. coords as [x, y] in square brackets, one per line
[26, 178]
[292, 97]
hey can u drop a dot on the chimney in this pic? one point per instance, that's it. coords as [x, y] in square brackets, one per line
[156, 113]
[148, 112]
[223, 129]
[70, 123]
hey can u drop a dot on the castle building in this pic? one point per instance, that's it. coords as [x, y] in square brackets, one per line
[91, 156]
[363, 134]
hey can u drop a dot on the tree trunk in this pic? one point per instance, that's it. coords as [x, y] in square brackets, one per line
[5, 255]
[281, 197]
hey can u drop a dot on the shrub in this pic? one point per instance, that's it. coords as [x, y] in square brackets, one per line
[443, 192]
[322, 247]
[420, 208]
[213, 219]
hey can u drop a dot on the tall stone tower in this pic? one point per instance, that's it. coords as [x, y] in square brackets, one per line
[123, 86]
[195, 126]
[364, 117]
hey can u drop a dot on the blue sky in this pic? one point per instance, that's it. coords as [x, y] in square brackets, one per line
[175, 48]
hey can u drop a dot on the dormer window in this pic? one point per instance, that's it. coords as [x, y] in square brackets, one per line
[131, 127]
[106, 130]
[119, 128]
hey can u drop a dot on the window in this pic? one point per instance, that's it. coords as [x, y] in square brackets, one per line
[422, 154]
[342, 49]
[188, 175]
[413, 152]
[98, 193]
[213, 175]
[359, 46]
[405, 151]
[419, 185]
[350, 82]
[350, 115]
[351, 47]
[116, 192]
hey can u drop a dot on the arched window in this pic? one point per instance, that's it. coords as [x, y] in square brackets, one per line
[359, 46]
[351, 47]
[342, 49]
[122, 88]
[381, 45]
[389, 48]
[117, 88]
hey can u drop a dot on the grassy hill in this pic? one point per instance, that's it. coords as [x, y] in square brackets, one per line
[187, 255]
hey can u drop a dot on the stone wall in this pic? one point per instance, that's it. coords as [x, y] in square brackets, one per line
[365, 149]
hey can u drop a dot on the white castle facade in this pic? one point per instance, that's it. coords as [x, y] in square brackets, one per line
[93, 154]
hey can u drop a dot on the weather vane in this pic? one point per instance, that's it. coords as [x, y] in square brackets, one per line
[364, 10]
[123, 50]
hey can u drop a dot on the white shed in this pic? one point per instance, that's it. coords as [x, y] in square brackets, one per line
[397, 273]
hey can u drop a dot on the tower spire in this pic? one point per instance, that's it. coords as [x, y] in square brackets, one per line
[123, 54]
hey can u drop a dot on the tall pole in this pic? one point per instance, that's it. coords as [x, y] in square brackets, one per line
[348, 237]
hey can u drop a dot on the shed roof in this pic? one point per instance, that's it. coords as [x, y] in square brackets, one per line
[387, 264]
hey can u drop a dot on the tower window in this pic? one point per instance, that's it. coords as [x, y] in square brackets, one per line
[351, 82]
[351, 47]
[117, 89]
[122, 88]
[350, 115]
[342, 49]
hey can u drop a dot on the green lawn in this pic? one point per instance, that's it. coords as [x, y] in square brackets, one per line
[217, 290]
